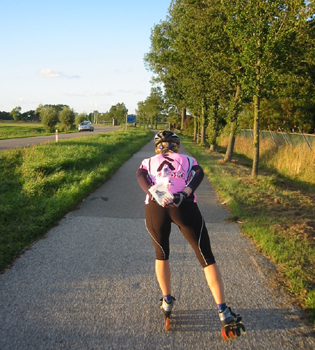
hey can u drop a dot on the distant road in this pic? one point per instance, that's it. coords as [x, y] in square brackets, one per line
[30, 141]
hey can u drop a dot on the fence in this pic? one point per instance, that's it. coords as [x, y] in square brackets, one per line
[282, 138]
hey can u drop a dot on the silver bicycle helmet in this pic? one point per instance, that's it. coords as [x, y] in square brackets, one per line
[166, 141]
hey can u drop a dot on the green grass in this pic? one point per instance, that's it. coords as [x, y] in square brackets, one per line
[273, 210]
[20, 129]
[40, 184]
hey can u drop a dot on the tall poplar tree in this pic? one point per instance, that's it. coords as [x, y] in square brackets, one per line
[258, 31]
[164, 61]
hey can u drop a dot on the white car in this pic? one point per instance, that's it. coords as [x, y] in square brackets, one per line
[86, 126]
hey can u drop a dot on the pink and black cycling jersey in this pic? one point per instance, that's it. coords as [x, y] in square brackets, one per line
[176, 171]
[173, 170]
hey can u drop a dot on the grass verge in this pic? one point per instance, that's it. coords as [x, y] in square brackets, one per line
[19, 130]
[296, 162]
[273, 210]
[40, 184]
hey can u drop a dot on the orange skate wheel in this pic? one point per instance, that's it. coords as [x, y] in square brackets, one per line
[224, 335]
[167, 324]
[231, 334]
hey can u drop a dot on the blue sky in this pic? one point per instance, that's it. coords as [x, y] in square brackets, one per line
[86, 54]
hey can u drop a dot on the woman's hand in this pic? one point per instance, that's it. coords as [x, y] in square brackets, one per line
[167, 202]
[178, 198]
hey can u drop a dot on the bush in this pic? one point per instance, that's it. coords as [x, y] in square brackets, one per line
[66, 117]
[79, 118]
[49, 118]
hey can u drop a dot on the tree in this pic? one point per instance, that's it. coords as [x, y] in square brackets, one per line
[214, 57]
[232, 117]
[187, 55]
[28, 116]
[142, 114]
[154, 104]
[205, 49]
[151, 109]
[292, 101]
[49, 118]
[261, 32]
[164, 61]
[5, 116]
[66, 117]
[79, 118]
[16, 113]
[118, 112]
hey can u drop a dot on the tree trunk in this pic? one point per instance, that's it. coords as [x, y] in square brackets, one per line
[256, 136]
[233, 119]
[195, 128]
[256, 122]
[183, 118]
[230, 147]
[215, 131]
[203, 127]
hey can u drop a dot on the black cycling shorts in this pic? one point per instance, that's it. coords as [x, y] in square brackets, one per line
[190, 222]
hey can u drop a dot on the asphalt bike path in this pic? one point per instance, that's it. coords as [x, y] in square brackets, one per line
[90, 283]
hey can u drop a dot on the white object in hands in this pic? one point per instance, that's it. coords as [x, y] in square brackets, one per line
[159, 192]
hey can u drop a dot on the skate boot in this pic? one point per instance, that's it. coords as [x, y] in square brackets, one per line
[232, 324]
[167, 310]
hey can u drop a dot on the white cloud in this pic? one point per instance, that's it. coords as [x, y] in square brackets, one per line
[71, 76]
[101, 93]
[88, 93]
[132, 91]
[76, 94]
[22, 101]
[50, 73]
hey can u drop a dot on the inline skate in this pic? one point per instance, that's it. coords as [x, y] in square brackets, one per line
[232, 324]
[167, 310]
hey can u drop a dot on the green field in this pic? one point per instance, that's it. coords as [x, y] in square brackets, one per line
[19, 129]
[40, 184]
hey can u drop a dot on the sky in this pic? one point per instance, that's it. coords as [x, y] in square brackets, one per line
[87, 54]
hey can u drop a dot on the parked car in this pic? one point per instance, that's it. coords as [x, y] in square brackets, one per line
[86, 126]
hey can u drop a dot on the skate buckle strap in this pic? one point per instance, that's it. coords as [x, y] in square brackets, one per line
[167, 307]
[229, 317]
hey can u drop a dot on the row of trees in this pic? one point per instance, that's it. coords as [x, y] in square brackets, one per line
[156, 109]
[229, 61]
[117, 112]
[50, 115]
[152, 111]
[17, 115]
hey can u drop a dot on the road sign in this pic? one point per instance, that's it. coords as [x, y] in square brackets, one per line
[131, 118]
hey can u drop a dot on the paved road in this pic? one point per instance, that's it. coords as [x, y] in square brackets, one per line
[30, 141]
[90, 284]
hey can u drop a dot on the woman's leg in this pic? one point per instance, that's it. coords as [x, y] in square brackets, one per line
[192, 225]
[158, 224]
[215, 283]
[163, 274]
